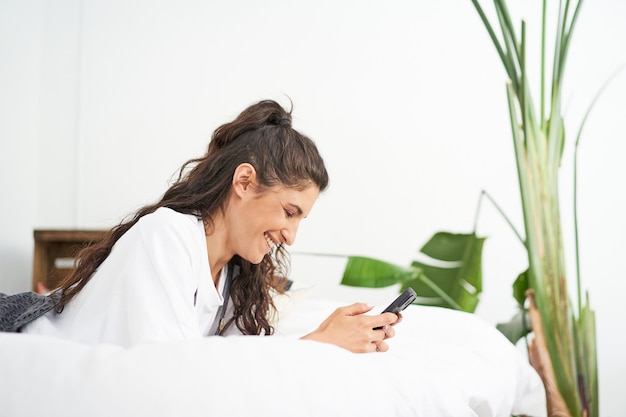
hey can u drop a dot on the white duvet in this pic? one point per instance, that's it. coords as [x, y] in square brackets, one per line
[441, 363]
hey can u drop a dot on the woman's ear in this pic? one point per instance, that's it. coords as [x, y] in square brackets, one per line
[243, 178]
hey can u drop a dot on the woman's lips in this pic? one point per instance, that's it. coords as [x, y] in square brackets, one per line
[270, 242]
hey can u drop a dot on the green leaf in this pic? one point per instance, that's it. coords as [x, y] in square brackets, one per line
[448, 246]
[452, 278]
[456, 270]
[368, 272]
[516, 328]
[433, 295]
[519, 288]
[586, 358]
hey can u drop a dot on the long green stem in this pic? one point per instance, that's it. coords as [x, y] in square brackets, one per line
[578, 136]
[449, 300]
[491, 32]
[484, 193]
[521, 95]
[542, 96]
[513, 54]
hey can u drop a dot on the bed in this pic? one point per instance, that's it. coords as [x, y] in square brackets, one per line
[441, 363]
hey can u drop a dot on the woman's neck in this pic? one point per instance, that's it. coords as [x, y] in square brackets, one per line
[218, 250]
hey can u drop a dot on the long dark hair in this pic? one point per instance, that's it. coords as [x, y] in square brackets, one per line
[261, 136]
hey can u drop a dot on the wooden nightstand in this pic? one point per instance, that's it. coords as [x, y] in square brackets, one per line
[54, 254]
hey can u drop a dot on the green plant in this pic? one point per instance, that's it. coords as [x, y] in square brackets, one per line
[539, 139]
[564, 347]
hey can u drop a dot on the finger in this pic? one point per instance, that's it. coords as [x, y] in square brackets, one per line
[392, 317]
[381, 346]
[383, 320]
[389, 332]
[399, 319]
[384, 332]
[366, 348]
[379, 334]
[356, 309]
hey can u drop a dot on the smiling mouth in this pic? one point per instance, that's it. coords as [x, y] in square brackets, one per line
[270, 242]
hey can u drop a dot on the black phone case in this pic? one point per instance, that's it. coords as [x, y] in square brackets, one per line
[402, 302]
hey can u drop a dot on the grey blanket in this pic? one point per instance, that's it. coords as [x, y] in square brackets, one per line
[20, 309]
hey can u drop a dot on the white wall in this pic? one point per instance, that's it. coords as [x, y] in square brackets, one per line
[101, 101]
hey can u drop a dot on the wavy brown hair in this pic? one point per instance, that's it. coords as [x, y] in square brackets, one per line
[261, 136]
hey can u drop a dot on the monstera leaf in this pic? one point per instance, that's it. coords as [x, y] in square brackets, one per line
[373, 273]
[451, 277]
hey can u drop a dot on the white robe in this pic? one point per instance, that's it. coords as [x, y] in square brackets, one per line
[154, 286]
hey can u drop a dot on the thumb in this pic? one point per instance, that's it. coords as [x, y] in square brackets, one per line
[358, 308]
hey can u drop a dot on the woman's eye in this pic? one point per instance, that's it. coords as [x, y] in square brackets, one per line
[288, 213]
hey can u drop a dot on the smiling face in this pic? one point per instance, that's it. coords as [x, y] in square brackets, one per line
[259, 220]
[272, 218]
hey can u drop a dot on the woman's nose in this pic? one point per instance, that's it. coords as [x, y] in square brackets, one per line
[289, 233]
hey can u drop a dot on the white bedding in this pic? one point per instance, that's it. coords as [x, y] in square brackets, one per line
[441, 363]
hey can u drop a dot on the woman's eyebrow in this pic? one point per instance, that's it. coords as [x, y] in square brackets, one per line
[297, 207]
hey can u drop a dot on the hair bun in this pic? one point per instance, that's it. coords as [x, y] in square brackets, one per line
[279, 120]
[256, 116]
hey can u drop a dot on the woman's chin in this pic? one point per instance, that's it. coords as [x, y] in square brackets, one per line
[257, 259]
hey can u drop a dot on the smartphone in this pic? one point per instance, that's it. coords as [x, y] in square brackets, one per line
[400, 303]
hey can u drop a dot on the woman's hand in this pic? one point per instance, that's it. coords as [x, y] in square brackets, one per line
[348, 327]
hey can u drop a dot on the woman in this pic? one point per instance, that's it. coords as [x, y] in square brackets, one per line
[205, 259]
